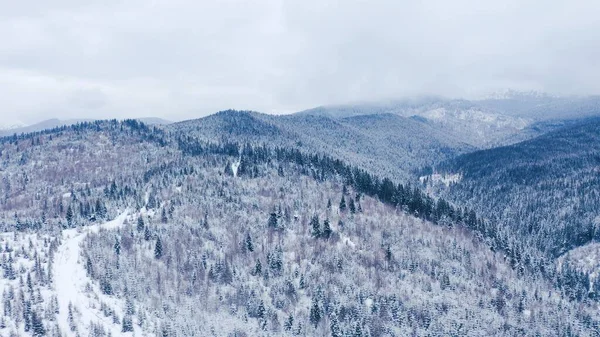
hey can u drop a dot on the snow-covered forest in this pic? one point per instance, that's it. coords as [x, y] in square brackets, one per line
[116, 228]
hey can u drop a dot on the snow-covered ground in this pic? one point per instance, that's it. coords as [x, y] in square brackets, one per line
[585, 258]
[445, 179]
[73, 285]
[235, 166]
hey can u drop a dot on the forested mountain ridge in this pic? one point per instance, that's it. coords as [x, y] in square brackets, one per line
[482, 123]
[388, 145]
[270, 241]
[542, 193]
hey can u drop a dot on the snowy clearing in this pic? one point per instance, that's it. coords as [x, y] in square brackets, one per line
[445, 179]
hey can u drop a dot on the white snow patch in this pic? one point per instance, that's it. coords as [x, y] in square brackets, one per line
[444, 178]
[235, 166]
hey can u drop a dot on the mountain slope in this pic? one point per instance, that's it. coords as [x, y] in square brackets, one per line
[484, 123]
[386, 144]
[227, 240]
[545, 189]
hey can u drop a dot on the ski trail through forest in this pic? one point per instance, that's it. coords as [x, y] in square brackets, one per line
[71, 281]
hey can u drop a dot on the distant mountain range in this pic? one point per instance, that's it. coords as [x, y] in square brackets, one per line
[19, 128]
[483, 123]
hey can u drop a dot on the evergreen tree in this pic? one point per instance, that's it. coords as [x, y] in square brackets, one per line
[89, 269]
[37, 325]
[69, 216]
[71, 318]
[117, 247]
[352, 206]
[140, 224]
[272, 220]
[343, 204]
[249, 245]
[163, 216]
[289, 323]
[257, 268]
[315, 227]
[315, 313]
[27, 315]
[147, 234]
[326, 229]
[158, 249]
[388, 255]
[127, 324]
[334, 326]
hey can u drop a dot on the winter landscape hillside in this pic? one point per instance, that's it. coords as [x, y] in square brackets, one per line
[242, 224]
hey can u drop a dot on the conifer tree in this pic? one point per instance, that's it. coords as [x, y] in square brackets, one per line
[69, 216]
[249, 245]
[258, 268]
[289, 323]
[272, 220]
[315, 313]
[158, 249]
[343, 204]
[163, 216]
[127, 324]
[147, 234]
[37, 325]
[140, 224]
[315, 227]
[326, 229]
[334, 326]
[117, 247]
[352, 206]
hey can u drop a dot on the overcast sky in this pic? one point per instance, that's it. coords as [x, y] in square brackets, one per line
[180, 59]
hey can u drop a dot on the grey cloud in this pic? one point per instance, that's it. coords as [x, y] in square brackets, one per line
[184, 59]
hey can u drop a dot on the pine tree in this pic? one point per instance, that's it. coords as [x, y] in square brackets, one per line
[37, 325]
[352, 206]
[257, 268]
[388, 254]
[163, 216]
[117, 247]
[147, 234]
[249, 245]
[127, 324]
[315, 313]
[158, 249]
[272, 220]
[69, 216]
[326, 229]
[315, 227]
[140, 224]
[27, 315]
[289, 323]
[334, 326]
[343, 204]
[71, 318]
